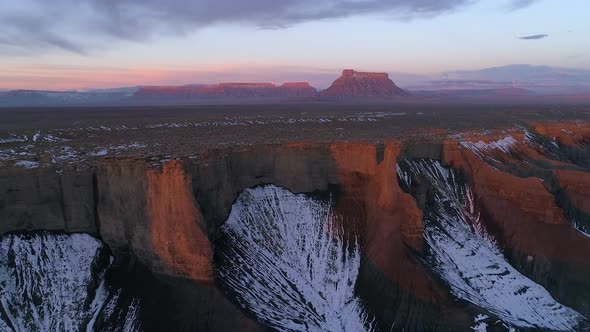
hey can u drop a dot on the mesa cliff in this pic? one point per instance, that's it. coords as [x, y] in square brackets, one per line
[354, 84]
[167, 218]
[351, 84]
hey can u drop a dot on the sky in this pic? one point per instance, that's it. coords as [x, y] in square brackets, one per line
[83, 44]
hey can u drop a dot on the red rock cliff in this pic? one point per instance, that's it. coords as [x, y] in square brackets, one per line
[390, 216]
[151, 215]
[175, 224]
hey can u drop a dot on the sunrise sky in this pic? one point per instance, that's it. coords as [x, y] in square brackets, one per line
[82, 44]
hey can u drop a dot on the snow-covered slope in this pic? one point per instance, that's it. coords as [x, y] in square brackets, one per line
[285, 260]
[462, 253]
[56, 282]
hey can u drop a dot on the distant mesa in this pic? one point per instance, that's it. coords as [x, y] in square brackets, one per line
[362, 84]
[352, 84]
[289, 90]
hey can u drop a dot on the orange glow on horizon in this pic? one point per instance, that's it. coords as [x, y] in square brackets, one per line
[62, 77]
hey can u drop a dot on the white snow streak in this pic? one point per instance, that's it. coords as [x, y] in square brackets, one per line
[479, 324]
[13, 139]
[404, 176]
[486, 150]
[473, 266]
[27, 164]
[99, 153]
[289, 265]
[578, 225]
[46, 286]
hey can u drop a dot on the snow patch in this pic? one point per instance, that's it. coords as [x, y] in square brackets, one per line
[13, 139]
[580, 227]
[99, 153]
[486, 151]
[130, 146]
[27, 164]
[66, 154]
[479, 323]
[51, 138]
[469, 261]
[288, 264]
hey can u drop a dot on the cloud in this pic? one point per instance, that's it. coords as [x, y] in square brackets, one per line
[77, 25]
[519, 4]
[534, 37]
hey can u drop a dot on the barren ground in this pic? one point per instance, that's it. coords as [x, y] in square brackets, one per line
[30, 137]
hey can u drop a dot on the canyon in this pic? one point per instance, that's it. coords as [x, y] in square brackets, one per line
[445, 230]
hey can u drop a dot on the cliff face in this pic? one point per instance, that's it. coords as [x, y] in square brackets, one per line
[41, 199]
[576, 185]
[566, 133]
[176, 224]
[361, 84]
[531, 196]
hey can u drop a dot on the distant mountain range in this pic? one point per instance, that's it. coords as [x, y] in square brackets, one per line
[520, 83]
[527, 74]
[225, 91]
[59, 98]
[538, 79]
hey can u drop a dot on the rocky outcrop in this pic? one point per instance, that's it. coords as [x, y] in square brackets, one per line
[353, 84]
[392, 234]
[371, 184]
[505, 193]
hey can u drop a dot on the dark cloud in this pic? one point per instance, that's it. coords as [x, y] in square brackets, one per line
[518, 4]
[21, 33]
[72, 25]
[534, 37]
